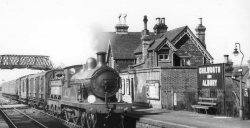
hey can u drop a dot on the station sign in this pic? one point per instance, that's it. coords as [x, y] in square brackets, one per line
[211, 76]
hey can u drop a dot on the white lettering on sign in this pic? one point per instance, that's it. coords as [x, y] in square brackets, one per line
[209, 76]
[209, 70]
[209, 82]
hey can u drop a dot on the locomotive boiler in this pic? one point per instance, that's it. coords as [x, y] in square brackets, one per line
[89, 95]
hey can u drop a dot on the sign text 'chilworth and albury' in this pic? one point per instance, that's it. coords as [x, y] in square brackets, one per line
[210, 75]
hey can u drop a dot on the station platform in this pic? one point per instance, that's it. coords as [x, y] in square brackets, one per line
[13, 106]
[160, 118]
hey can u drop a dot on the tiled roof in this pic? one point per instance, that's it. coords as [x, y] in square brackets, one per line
[156, 43]
[152, 36]
[170, 35]
[138, 49]
[124, 45]
[174, 32]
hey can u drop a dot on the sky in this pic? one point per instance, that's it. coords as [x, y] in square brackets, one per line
[64, 29]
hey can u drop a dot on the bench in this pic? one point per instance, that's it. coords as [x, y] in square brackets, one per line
[205, 103]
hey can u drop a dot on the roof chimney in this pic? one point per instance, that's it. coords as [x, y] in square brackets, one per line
[145, 31]
[163, 20]
[226, 59]
[122, 28]
[158, 20]
[160, 26]
[200, 32]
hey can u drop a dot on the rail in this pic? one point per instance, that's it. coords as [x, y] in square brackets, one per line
[7, 119]
[33, 118]
[14, 120]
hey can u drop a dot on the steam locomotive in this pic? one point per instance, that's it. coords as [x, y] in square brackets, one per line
[82, 94]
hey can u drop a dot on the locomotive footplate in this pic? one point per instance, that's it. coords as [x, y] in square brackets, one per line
[101, 107]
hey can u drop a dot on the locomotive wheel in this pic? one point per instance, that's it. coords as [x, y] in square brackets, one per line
[91, 120]
[51, 110]
[66, 115]
[54, 111]
[83, 119]
[76, 116]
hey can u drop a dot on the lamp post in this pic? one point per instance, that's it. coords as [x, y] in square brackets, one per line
[240, 70]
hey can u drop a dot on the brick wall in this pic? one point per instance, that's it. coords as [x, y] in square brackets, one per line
[189, 49]
[180, 84]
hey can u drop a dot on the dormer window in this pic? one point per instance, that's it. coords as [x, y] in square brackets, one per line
[163, 57]
[163, 54]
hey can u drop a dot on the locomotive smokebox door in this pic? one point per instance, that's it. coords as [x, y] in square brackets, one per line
[109, 85]
[105, 81]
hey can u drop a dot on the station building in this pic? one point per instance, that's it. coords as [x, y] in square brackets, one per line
[159, 68]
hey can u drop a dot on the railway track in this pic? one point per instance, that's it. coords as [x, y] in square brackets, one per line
[32, 118]
[17, 119]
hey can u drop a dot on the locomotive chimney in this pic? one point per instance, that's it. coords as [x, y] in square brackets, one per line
[101, 56]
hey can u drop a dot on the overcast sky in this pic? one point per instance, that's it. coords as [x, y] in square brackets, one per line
[63, 29]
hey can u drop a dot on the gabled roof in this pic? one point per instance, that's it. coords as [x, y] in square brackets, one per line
[172, 34]
[157, 39]
[159, 42]
[124, 45]
[156, 43]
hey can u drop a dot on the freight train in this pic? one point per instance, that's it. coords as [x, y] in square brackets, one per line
[82, 94]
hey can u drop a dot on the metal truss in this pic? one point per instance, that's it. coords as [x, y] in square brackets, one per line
[25, 61]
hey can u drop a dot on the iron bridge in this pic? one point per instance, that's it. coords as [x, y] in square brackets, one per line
[38, 62]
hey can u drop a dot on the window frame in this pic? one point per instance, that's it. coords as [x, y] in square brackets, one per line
[163, 57]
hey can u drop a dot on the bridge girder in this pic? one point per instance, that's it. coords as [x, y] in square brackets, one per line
[38, 62]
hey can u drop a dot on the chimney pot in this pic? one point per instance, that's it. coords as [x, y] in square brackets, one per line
[163, 20]
[200, 21]
[158, 20]
[226, 58]
[145, 20]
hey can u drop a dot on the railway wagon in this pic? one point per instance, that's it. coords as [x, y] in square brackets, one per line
[39, 89]
[9, 89]
[33, 88]
[55, 82]
[23, 89]
[89, 95]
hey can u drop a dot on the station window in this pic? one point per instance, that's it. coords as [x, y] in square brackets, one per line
[127, 89]
[163, 57]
